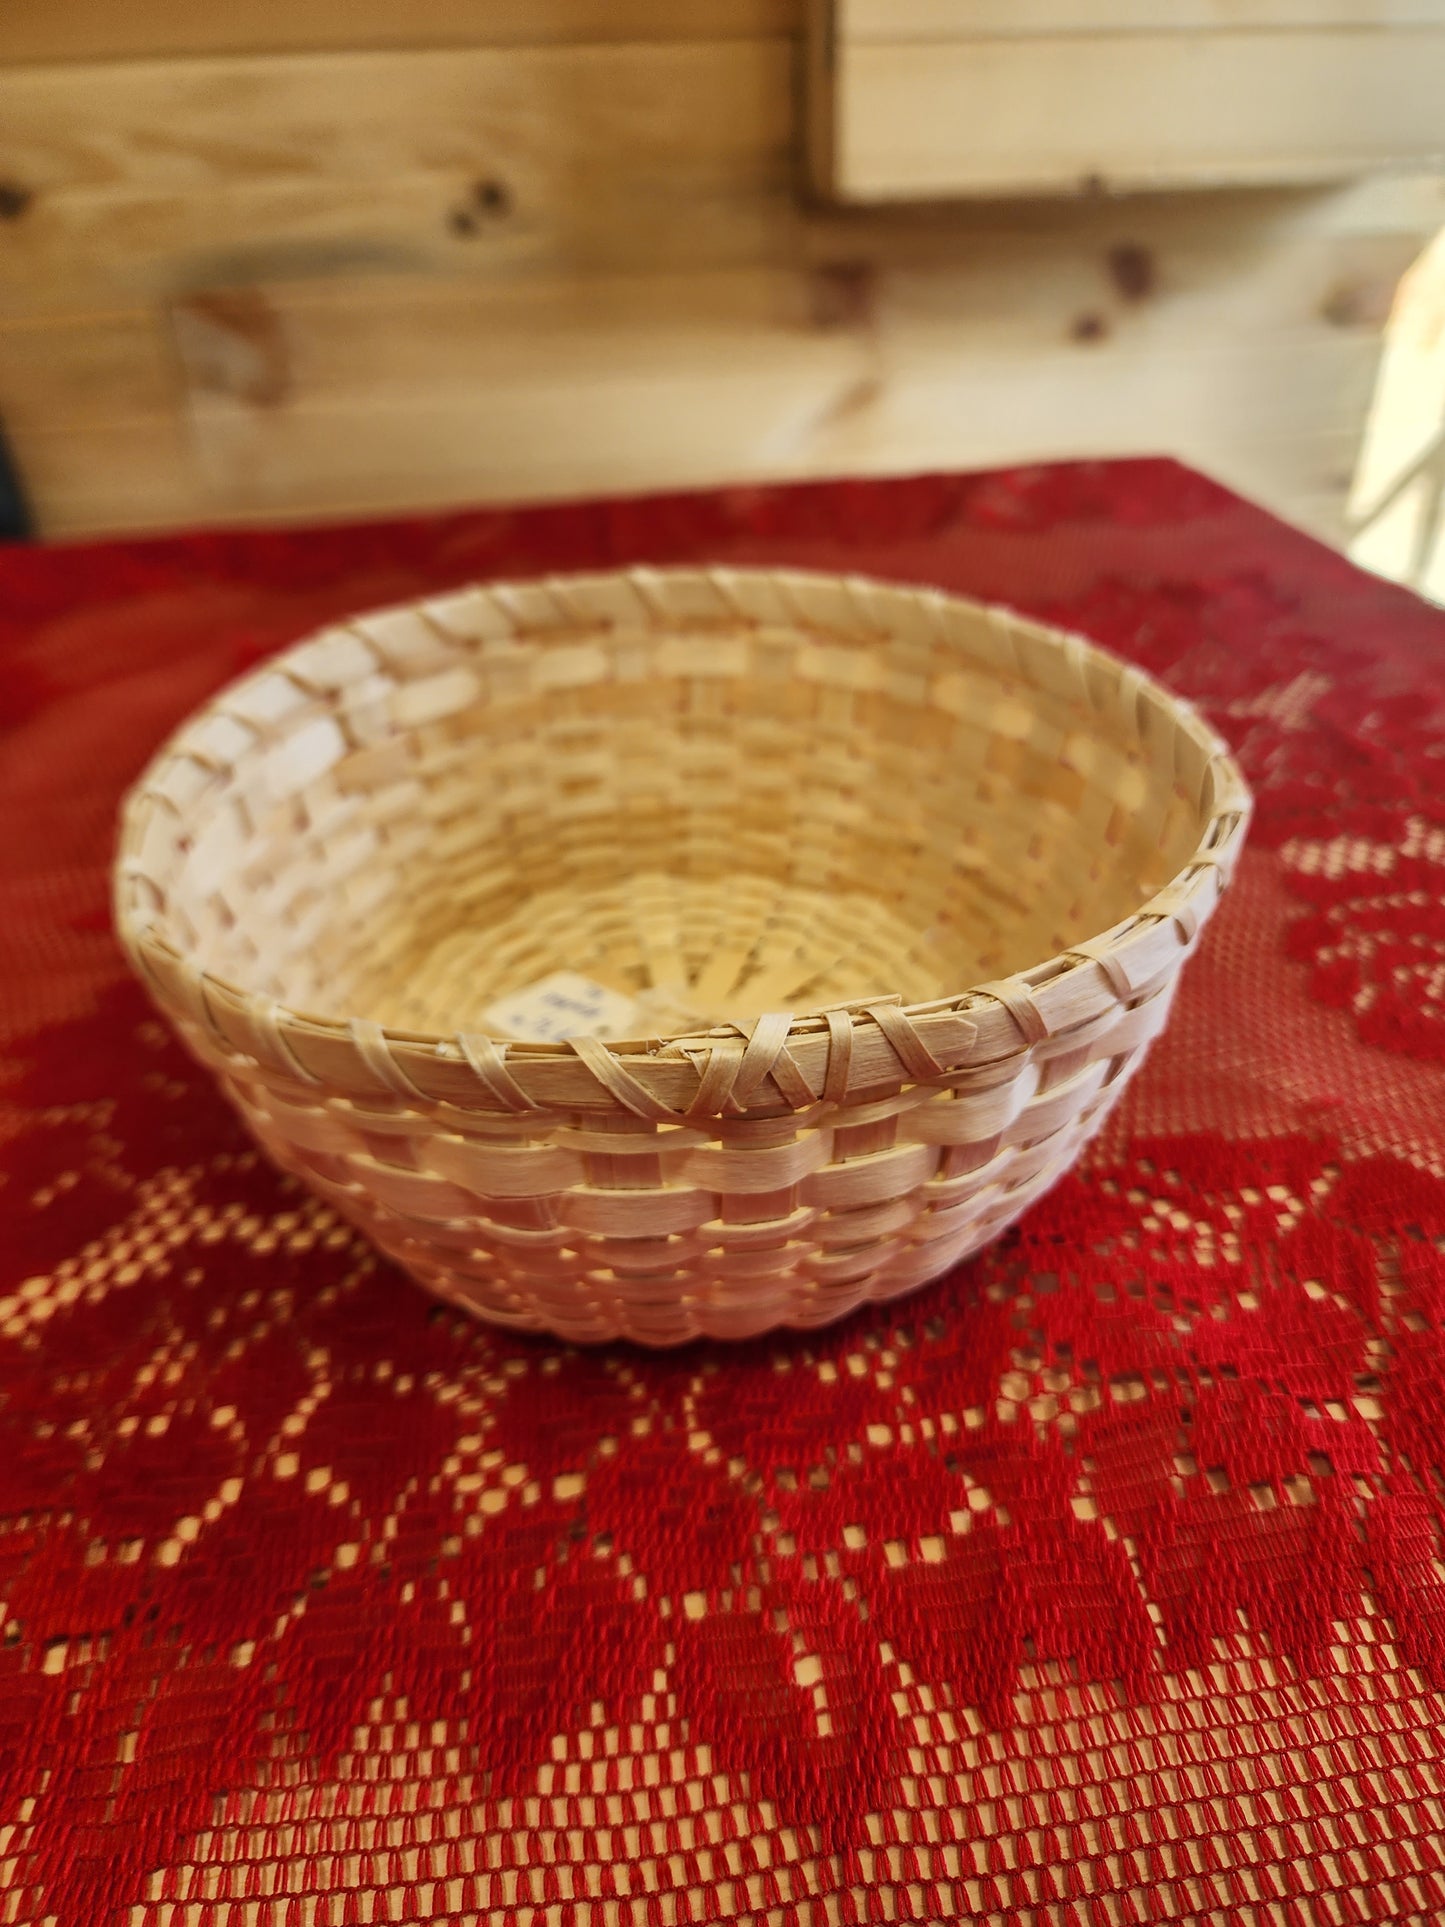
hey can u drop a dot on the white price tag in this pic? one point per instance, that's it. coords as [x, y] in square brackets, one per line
[565, 1004]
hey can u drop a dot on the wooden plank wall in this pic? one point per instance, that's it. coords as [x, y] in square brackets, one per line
[281, 259]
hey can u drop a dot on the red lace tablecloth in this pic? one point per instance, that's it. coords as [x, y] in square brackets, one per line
[1102, 1582]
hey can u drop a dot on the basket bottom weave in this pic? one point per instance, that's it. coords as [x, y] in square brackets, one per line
[690, 952]
[776, 1259]
[594, 1311]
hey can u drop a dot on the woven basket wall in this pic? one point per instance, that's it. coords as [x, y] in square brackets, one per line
[899, 885]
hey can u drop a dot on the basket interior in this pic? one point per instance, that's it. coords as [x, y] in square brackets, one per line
[419, 816]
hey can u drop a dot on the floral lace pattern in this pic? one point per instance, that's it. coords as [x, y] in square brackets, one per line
[1103, 1580]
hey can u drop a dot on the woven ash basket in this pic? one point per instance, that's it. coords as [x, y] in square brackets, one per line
[899, 886]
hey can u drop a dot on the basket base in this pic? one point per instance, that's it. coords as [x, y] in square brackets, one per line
[674, 1319]
[781, 1290]
[796, 1257]
[671, 1316]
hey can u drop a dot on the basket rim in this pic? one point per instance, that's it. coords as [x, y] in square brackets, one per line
[890, 1042]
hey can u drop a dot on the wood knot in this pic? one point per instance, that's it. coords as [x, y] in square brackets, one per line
[1133, 271]
[231, 342]
[1089, 328]
[489, 200]
[843, 294]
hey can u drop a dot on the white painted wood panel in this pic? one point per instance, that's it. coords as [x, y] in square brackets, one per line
[896, 20]
[916, 120]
